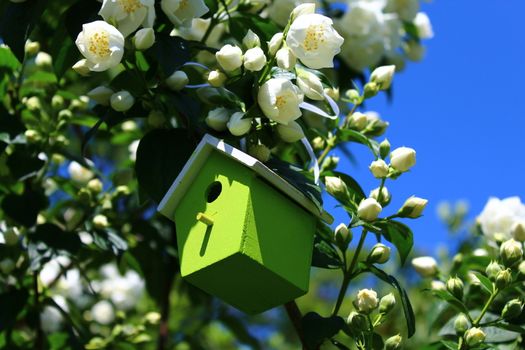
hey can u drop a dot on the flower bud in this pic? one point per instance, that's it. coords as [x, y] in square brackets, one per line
[379, 168]
[379, 254]
[518, 231]
[503, 279]
[521, 268]
[511, 252]
[455, 287]
[461, 324]
[32, 47]
[512, 309]
[383, 76]
[65, 114]
[239, 126]
[144, 39]
[178, 80]
[412, 208]
[353, 95]
[260, 152]
[251, 40]
[474, 336]
[100, 221]
[369, 209]
[343, 236]
[403, 158]
[121, 101]
[302, 9]
[11, 236]
[43, 60]
[384, 148]
[366, 301]
[337, 188]
[387, 303]
[438, 285]
[95, 186]
[393, 343]
[332, 92]
[386, 197]
[254, 59]
[371, 89]
[290, 132]
[80, 103]
[218, 118]
[310, 85]
[285, 58]
[57, 102]
[152, 317]
[358, 121]
[426, 266]
[156, 118]
[33, 104]
[82, 67]
[329, 163]
[101, 95]
[318, 143]
[216, 78]
[492, 270]
[357, 321]
[32, 136]
[229, 57]
[275, 43]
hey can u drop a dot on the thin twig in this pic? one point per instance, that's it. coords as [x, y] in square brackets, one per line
[295, 317]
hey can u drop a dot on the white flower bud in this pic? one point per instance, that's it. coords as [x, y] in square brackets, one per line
[95, 185]
[144, 39]
[379, 254]
[260, 152]
[342, 236]
[237, 125]
[229, 57]
[101, 95]
[474, 336]
[129, 125]
[290, 132]
[43, 60]
[251, 40]
[103, 312]
[369, 209]
[337, 188]
[11, 236]
[100, 221]
[122, 101]
[379, 168]
[275, 43]
[385, 196]
[366, 301]
[455, 286]
[383, 76]
[332, 92]
[32, 47]
[518, 230]
[78, 173]
[310, 85]
[460, 324]
[511, 252]
[426, 266]
[393, 343]
[423, 26]
[387, 303]
[438, 285]
[218, 118]
[254, 59]
[178, 80]
[57, 102]
[285, 58]
[413, 207]
[403, 158]
[216, 78]
[82, 68]
[302, 9]
[358, 120]
[32, 136]
[33, 104]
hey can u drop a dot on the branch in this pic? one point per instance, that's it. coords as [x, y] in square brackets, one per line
[295, 317]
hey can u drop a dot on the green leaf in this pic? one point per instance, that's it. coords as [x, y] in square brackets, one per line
[263, 27]
[161, 155]
[355, 136]
[171, 52]
[399, 235]
[485, 282]
[10, 123]
[56, 238]
[316, 329]
[356, 191]
[130, 80]
[449, 344]
[452, 300]
[24, 162]
[324, 254]
[12, 303]
[25, 207]
[8, 59]
[407, 307]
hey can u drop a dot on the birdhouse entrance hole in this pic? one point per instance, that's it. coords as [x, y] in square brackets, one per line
[214, 191]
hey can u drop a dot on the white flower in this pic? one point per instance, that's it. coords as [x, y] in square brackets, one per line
[406, 9]
[239, 126]
[144, 39]
[500, 215]
[279, 100]
[279, 11]
[216, 78]
[82, 67]
[285, 58]
[123, 290]
[128, 14]
[51, 318]
[197, 29]
[275, 42]
[101, 44]
[438, 285]
[423, 25]
[302, 9]
[178, 80]
[78, 173]
[101, 95]
[413, 207]
[51, 270]
[254, 59]
[132, 149]
[369, 209]
[103, 312]
[379, 168]
[251, 40]
[366, 300]
[310, 85]
[314, 41]
[290, 132]
[218, 118]
[229, 57]
[181, 12]
[382, 76]
[122, 101]
[43, 60]
[403, 158]
[426, 266]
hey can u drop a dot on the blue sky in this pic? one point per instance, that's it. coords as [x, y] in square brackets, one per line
[461, 108]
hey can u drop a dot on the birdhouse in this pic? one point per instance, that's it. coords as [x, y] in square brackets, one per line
[245, 235]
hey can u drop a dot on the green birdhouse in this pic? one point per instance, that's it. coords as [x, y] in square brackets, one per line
[245, 235]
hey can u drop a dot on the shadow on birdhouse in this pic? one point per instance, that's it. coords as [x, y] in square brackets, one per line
[244, 234]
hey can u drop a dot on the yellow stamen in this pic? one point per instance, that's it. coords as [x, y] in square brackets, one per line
[314, 36]
[130, 6]
[280, 101]
[99, 44]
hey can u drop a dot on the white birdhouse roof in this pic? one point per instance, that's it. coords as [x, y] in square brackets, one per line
[197, 160]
